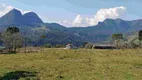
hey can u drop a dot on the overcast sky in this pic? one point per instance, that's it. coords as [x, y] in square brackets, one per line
[76, 12]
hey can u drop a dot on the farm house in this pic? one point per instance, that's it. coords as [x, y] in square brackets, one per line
[70, 46]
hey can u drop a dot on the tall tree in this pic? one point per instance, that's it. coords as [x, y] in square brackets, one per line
[117, 38]
[84, 44]
[12, 39]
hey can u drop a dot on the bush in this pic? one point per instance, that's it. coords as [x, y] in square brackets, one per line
[59, 46]
[48, 46]
[89, 46]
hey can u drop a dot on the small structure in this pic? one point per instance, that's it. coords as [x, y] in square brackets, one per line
[70, 46]
[103, 46]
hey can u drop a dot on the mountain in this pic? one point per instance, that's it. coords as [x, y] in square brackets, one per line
[32, 18]
[104, 30]
[31, 24]
[55, 26]
[15, 18]
[135, 25]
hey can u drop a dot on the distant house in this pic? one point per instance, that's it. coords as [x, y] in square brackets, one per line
[70, 46]
[103, 46]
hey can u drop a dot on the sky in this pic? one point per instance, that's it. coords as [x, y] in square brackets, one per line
[76, 13]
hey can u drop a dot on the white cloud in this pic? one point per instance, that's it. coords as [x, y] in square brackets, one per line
[111, 13]
[6, 8]
[80, 21]
[65, 23]
[101, 15]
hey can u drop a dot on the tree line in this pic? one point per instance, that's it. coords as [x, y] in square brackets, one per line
[120, 41]
[13, 39]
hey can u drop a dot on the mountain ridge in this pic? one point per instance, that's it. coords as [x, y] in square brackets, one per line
[16, 18]
[98, 33]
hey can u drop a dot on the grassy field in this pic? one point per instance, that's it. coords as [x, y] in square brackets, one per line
[81, 64]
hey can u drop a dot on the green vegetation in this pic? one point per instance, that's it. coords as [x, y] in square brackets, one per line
[12, 39]
[140, 36]
[81, 64]
[117, 39]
